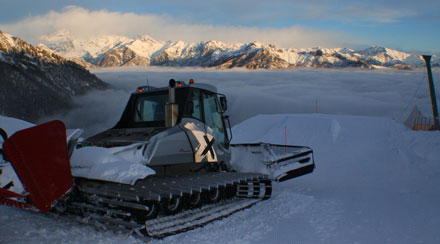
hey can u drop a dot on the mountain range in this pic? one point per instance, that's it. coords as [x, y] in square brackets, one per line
[113, 50]
[36, 81]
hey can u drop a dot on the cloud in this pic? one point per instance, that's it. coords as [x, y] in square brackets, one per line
[388, 93]
[84, 23]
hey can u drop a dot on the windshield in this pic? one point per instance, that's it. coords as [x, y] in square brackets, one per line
[150, 108]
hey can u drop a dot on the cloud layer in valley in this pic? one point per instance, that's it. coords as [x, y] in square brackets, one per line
[390, 94]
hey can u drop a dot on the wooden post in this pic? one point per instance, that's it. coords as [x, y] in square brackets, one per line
[427, 59]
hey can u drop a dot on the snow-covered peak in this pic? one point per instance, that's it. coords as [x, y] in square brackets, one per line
[256, 44]
[144, 46]
[397, 54]
[6, 42]
[61, 35]
[10, 45]
[145, 38]
[375, 51]
[345, 50]
[71, 47]
[372, 51]
[217, 44]
[114, 50]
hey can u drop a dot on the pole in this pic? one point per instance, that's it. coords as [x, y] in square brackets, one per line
[427, 59]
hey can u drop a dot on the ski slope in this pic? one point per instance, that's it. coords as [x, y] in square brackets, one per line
[375, 182]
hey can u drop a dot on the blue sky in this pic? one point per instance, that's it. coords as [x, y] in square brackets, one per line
[405, 25]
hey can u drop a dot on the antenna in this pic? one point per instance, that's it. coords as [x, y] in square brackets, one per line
[148, 84]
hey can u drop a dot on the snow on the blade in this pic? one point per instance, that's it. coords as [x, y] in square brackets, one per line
[119, 164]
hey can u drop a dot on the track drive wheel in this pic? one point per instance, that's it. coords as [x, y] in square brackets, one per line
[172, 206]
[195, 200]
[154, 209]
[215, 195]
[152, 212]
[230, 192]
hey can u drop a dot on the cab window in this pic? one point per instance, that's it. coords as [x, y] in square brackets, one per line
[197, 108]
[150, 108]
[213, 117]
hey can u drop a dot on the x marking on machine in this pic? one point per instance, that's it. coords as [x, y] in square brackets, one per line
[208, 147]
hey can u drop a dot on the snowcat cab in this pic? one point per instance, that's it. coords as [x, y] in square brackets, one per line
[182, 126]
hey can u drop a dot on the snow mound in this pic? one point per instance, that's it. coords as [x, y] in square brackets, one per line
[367, 144]
[295, 129]
[314, 130]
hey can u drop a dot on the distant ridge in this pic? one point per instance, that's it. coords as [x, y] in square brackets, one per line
[36, 81]
[113, 50]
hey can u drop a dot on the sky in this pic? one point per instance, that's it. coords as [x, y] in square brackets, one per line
[399, 24]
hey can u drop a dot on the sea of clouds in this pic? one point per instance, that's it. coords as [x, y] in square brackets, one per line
[380, 93]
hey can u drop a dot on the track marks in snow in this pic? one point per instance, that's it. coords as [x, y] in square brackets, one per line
[317, 217]
[294, 212]
[335, 129]
[325, 218]
[19, 226]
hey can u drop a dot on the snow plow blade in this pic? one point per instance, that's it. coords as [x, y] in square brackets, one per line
[280, 162]
[40, 160]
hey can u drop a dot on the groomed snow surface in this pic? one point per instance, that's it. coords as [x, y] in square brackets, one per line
[376, 182]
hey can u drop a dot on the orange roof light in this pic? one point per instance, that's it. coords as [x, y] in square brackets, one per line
[140, 90]
[191, 81]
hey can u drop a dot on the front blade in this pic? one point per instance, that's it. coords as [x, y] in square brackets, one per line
[39, 157]
[280, 162]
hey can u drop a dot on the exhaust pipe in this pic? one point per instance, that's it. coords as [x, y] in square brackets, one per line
[171, 108]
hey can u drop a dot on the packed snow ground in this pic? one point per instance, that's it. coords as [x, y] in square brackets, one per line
[375, 182]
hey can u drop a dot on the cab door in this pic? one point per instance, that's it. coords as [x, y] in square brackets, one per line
[213, 117]
[205, 127]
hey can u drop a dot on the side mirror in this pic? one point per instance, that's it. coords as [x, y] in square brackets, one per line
[223, 103]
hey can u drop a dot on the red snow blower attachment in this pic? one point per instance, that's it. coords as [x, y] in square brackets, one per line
[40, 160]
